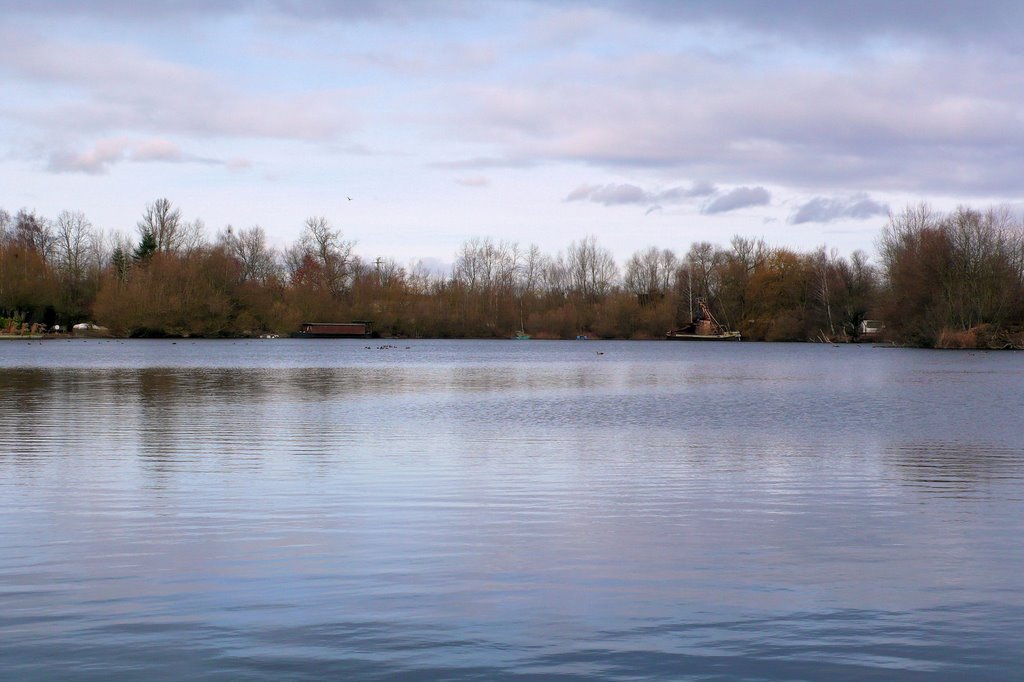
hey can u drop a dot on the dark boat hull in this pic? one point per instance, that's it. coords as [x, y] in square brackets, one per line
[309, 335]
[334, 330]
[682, 336]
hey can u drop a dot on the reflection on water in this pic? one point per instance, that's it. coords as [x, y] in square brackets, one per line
[484, 510]
[956, 469]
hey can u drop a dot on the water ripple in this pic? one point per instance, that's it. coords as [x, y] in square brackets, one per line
[463, 510]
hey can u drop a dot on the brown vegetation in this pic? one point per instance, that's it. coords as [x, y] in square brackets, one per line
[952, 281]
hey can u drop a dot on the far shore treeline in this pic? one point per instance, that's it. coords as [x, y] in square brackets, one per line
[941, 280]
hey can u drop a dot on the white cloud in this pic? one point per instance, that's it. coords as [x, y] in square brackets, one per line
[481, 162]
[904, 121]
[95, 161]
[306, 11]
[157, 150]
[107, 152]
[102, 88]
[800, 115]
[625, 193]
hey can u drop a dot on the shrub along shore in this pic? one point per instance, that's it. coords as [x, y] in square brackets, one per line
[944, 280]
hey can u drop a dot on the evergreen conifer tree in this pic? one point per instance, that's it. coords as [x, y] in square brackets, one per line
[146, 248]
[121, 264]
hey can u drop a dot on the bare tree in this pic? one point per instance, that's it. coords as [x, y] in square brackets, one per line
[750, 253]
[530, 271]
[468, 269]
[703, 259]
[74, 240]
[421, 279]
[902, 232]
[735, 268]
[863, 273]
[555, 276]
[163, 222]
[486, 265]
[982, 270]
[248, 246]
[592, 270]
[34, 232]
[486, 270]
[651, 272]
[191, 237]
[323, 247]
[957, 271]
[860, 281]
[388, 272]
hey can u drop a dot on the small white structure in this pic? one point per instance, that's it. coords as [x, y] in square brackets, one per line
[870, 327]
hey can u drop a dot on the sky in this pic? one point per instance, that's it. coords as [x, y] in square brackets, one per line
[415, 126]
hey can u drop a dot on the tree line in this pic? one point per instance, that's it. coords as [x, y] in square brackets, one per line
[942, 279]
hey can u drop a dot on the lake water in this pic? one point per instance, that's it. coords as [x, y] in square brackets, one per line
[266, 510]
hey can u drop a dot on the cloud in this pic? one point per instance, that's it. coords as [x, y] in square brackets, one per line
[819, 97]
[826, 210]
[875, 126]
[741, 197]
[619, 194]
[197, 10]
[107, 152]
[156, 150]
[96, 161]
[370, 10]
[482, 162]
[905, 119]
[474, 181]
[357, 149]
[609, 195]
[821, 22]
[941, 21]
[237, 165]
[103, 88]
[701, 188]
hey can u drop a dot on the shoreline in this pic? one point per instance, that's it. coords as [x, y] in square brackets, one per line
[867, 344]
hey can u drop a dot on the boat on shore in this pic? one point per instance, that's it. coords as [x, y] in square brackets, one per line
[334, 330]
[704, 327]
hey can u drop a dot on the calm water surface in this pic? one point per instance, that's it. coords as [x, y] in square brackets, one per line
[270, 510]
